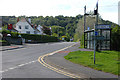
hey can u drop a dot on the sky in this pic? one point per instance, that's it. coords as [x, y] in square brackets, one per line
[108, 9]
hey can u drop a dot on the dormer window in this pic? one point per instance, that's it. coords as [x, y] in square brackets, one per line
[26, 27]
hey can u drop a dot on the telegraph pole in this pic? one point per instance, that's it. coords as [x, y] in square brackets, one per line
[95, 33]
[84, 23]
[84, 17]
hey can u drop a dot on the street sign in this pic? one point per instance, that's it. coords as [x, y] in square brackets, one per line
[88, 28]
[96, 33]
[103, 26]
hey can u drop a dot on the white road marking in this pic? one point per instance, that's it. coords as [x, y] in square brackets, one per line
[18, 66]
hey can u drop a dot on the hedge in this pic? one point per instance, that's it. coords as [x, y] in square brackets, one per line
[39, 38]
[115, 38]
[34, 37]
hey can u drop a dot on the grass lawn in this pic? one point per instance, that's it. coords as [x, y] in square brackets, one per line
[106, 61]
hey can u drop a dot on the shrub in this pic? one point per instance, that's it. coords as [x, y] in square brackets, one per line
[115, 38]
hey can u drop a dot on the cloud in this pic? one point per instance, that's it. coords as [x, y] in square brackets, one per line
[54, 7]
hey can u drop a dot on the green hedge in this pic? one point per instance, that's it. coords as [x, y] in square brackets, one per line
[34, 37]
[39, 38]
[115, 38]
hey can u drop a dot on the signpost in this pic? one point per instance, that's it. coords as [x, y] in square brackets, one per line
[95, 33]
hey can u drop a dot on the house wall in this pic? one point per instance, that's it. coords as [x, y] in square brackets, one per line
[23, 30]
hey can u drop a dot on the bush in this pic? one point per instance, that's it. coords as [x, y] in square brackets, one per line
[115, 38]
[33, 37]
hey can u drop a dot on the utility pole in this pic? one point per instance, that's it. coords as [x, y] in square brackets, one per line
[84, 23]
[84, 17]
[58, 32]
[95, 33]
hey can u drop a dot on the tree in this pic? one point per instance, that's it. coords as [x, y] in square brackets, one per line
[60, 31]
[46, 30]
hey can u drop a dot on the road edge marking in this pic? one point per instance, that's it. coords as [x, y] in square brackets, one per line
[41, 61]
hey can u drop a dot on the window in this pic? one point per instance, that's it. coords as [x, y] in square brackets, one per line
[27, 32]
[26, 27]
[19, 27]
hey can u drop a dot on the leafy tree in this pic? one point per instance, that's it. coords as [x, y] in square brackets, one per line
[46, 30]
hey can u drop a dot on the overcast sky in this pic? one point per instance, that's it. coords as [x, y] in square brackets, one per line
[108, 9]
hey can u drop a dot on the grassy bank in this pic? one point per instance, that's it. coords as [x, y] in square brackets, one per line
[106, 61]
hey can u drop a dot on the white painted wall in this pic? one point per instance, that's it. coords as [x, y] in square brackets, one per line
[23, 30]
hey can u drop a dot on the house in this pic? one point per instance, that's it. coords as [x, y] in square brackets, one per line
[11, 28]
[25, 26]
[39, 27]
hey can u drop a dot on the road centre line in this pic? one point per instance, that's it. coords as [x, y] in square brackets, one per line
[17, 66]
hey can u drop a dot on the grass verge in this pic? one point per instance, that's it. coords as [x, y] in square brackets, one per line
[106, 61]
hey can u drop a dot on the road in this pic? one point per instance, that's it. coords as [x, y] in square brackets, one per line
[23, 63]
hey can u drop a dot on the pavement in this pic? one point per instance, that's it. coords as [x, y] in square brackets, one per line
[11, 47]
[57, 60]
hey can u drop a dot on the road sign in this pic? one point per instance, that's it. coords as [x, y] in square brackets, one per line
[103, 26]
[88, 28]
[96, 33]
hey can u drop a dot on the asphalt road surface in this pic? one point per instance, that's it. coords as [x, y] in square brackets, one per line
[23, 62]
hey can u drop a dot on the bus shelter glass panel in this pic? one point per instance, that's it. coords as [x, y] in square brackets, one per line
[102, 40]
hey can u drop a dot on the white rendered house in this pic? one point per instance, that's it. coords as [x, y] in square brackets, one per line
[23, 26]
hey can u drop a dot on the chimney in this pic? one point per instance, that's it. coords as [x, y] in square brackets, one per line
[32, 25]
[35, 26]
[29, 20]
[17, 19]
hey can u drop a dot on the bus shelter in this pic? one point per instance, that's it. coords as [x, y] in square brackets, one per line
[102, 35]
